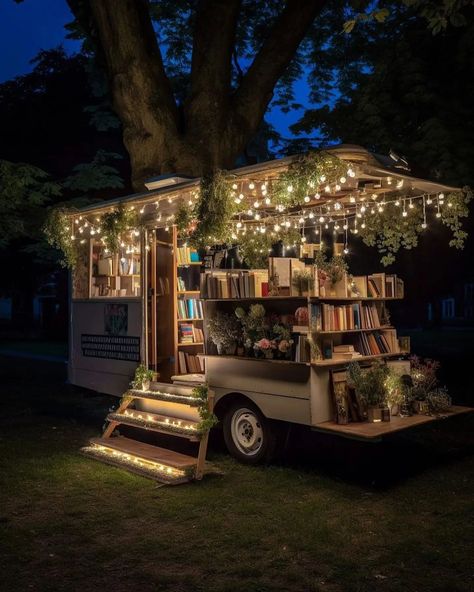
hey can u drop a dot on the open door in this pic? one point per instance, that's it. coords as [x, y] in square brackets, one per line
[161, 305]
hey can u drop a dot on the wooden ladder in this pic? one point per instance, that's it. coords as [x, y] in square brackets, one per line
[164, 409]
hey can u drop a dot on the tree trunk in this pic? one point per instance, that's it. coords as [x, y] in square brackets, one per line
[216, 122]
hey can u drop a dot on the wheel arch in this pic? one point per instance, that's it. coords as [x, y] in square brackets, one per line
[229, 399]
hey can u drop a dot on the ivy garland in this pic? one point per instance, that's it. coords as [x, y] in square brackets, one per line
[305, 175]
[208, 221]
[57, 229]
[208, 419]
[389, 232]
[255, 248]
[115, 223]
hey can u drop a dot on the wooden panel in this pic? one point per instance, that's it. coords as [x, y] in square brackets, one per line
[147, 451]
[370, 431]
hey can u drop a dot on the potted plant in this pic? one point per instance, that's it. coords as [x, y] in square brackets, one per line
[370, 388]
[303, 281]
[395, 392]
[438, 400]
[253, 326]
[224, 332]
[423, 374]
[142, 378]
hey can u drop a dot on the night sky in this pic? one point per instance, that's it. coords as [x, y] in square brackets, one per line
[33, 25]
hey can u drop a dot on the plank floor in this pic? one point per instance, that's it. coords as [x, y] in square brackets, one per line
[369, 431]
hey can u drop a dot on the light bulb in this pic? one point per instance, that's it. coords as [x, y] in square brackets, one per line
[317, 196]
[290, 188]
[306, 198]
[321, 219]
[256, 204]
[404, 214]
[268, 201]
[251, 185]
[327, 189]
[234, 186]
[342, 179]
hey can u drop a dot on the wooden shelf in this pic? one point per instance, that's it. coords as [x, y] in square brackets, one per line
[190, 344]
[188, 292]
[381, 328]
[374, 431]
[258, 298]
[332, 362]
[352, 299]
[246, 359]
[190, 263]
[188, 320]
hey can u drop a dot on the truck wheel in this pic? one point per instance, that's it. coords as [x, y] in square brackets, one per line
[248, 434]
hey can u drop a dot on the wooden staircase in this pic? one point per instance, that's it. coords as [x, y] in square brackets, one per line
[166, 409]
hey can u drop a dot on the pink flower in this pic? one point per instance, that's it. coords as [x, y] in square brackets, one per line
[264, 343]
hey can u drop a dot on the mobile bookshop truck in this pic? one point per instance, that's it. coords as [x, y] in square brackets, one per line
[256, 342]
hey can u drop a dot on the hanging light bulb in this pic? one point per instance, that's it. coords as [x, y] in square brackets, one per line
[251, 185]
[321, 219]
[342, 180]
[337, 187]
[317, 196]
[276, 228]
[327, 189]
[290, 188]
[256, 204]
[239, 224]
[351, 172]
[306, 198]
[234, 186]
[322, 178]
[268, 201]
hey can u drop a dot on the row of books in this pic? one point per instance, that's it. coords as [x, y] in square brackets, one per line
[379, 285]
[189, 363]
[347, 317]
[188, 333]
[186, 255]
[302, 349]
[190, 308]
[378, 342]
[234, 283]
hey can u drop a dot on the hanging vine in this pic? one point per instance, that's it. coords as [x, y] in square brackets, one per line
[208, 221]
[305, 176]
[115, 223]
[389, 231]
[58, 232]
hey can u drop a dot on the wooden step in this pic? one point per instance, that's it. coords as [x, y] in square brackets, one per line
[159, 395]
[160, 464]
[164, 424]
[155, 454]
[138, 467]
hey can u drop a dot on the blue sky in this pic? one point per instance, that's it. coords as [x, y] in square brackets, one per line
[32, 25]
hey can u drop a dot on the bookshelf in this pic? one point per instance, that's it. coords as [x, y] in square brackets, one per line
[188, 310]
[343, 328]
[115, 275]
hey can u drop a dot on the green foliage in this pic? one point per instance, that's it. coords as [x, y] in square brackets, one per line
[303, 280]
[389, 231]
[115, 223]
[369, 383]
[58, 233]
[24, 191]
[223, 329]
[305, 175]
[212, 211]
[208, 419]
[95, 175]
[142, 374]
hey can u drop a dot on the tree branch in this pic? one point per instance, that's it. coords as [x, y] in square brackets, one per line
[256, 89]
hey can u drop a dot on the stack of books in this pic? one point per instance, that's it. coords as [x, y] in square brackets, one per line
[189, 308]
[234, 283]
[345, 352]
[188, 333]
[186, 255]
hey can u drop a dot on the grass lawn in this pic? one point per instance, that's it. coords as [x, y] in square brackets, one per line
[342, 516]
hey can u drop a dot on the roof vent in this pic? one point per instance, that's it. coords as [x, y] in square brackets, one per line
[164, 181]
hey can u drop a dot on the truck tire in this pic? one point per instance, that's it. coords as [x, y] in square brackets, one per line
[249, 436]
